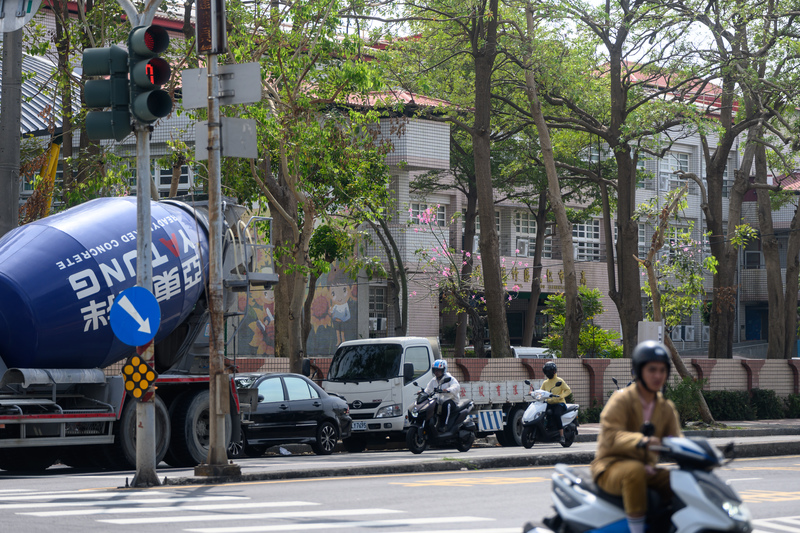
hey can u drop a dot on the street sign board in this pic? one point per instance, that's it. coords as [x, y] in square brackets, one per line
[14, 14]
[238, 84]
[238, 136]
[135, 316]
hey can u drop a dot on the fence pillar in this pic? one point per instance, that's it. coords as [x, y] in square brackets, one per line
[753, 368]
[597, 371]
[703, 367]
[471, 368]
[794, 364]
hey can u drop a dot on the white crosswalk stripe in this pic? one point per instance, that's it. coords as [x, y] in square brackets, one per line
[225, 513]
[790, 524]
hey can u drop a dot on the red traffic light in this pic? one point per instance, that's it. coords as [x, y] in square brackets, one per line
[151, 73]
[148, 41]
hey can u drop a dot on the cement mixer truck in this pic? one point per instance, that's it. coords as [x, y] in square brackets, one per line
[58, 280]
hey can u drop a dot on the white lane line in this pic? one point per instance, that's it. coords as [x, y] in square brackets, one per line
[74, 495]
[15, 490]
[254, 516]
[789, 520]
[744, 479]
[121, 502]
[770, 523]
[177, 508]
[349, 525]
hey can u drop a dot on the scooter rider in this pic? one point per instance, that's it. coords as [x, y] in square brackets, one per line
[624, 465]
[450, 390]
[557, 406]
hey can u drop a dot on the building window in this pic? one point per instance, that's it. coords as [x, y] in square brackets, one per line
[378, 325]
[438, 214]
[673, 162]
[586, 238]
[644, 247]
[163, 177]
[525, 226]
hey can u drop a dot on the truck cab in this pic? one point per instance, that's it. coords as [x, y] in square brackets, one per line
[375, 377]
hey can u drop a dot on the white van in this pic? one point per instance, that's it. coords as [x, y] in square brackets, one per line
[527, 352]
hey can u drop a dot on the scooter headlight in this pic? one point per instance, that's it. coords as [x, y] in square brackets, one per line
[727, 500]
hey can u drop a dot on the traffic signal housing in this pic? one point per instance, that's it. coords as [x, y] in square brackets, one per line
[148, 72]
[110, 93]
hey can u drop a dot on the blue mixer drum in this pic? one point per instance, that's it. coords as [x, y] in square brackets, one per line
[59, 277]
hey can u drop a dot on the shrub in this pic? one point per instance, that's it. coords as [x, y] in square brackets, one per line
[767, 404]
[684, 396]
[730, 405]
[590, 415]
[793, 406]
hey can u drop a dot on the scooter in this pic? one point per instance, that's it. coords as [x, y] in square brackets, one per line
[535, 423]
[423, 430]
[701, 501]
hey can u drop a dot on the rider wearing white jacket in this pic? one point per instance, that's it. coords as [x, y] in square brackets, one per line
[450, 391]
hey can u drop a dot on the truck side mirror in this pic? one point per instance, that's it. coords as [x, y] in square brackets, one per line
[305, 367]
[408, 372]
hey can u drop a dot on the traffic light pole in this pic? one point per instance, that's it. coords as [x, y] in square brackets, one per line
[10, 114]
[219, 385]
[145, 410]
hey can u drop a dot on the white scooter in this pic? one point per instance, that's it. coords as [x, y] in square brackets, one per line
[535, 425]
[701, 501]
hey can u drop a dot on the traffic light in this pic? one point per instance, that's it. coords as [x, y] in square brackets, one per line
[107, 93]
[148, 72]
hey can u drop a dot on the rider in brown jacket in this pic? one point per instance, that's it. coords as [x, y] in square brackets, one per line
[624, 465]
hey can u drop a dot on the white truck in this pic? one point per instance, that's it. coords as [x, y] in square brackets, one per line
[376, 377]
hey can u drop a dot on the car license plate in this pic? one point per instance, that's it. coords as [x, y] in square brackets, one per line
[359, 425]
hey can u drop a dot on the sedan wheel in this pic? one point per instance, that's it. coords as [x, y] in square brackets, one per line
[327, 437]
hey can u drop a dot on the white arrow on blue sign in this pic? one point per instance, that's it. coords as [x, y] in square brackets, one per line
[135, 316]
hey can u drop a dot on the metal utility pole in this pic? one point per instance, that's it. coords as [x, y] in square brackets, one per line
[145, 410]
[211, 40]
[10, 116]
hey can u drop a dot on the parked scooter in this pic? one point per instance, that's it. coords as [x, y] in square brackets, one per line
[423, 430]
[701, 501]
[536, 426]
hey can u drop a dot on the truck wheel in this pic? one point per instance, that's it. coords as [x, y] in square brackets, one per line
[121, 454]
[501, 438]
[27, 459]
[356, 444]
[416, 440]
[513, 427]
[465, 444]
[327, 437]
[528, 436]
[191, 429]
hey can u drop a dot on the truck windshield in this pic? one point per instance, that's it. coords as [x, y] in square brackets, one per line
[370, 362]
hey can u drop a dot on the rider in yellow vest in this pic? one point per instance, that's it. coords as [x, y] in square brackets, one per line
[557, 405]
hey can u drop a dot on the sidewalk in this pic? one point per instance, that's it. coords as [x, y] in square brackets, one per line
[763, 438]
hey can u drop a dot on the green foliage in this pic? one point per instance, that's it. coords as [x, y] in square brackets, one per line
[767, 404]
[730, 405]
[590, 415]
[793, 406]
[593, 341]
[685, 397]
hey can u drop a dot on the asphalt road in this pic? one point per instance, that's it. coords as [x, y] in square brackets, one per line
[469, 501]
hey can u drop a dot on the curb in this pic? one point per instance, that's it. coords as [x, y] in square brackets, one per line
[450, 465]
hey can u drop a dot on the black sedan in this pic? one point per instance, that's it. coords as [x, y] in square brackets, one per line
[291, 409]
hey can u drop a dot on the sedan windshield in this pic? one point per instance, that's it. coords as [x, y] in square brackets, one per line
[366, 362]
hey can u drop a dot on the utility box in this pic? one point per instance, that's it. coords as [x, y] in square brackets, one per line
[651, 331]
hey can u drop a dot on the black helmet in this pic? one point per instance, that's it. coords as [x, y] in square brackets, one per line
[550, 369]
[646, 352]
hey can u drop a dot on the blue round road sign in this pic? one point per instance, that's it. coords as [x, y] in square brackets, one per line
[135, 316]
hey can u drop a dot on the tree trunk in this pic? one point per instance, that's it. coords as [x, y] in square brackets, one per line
[536, 280]
[790, 299]
[573, 314]
[467, 262]
[484, 53]
[772, 261]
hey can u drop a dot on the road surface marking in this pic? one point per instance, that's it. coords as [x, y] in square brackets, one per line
[761, 496]
[470, 482]
[349, 525]
[121, 502]
[117, 509]
[254, 516]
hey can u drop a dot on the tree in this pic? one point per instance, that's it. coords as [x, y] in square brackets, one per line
[593, 341]
[626, 99]
[450, 31]
[317, 154]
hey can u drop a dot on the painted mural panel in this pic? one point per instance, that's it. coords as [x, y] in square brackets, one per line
[334, 317]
